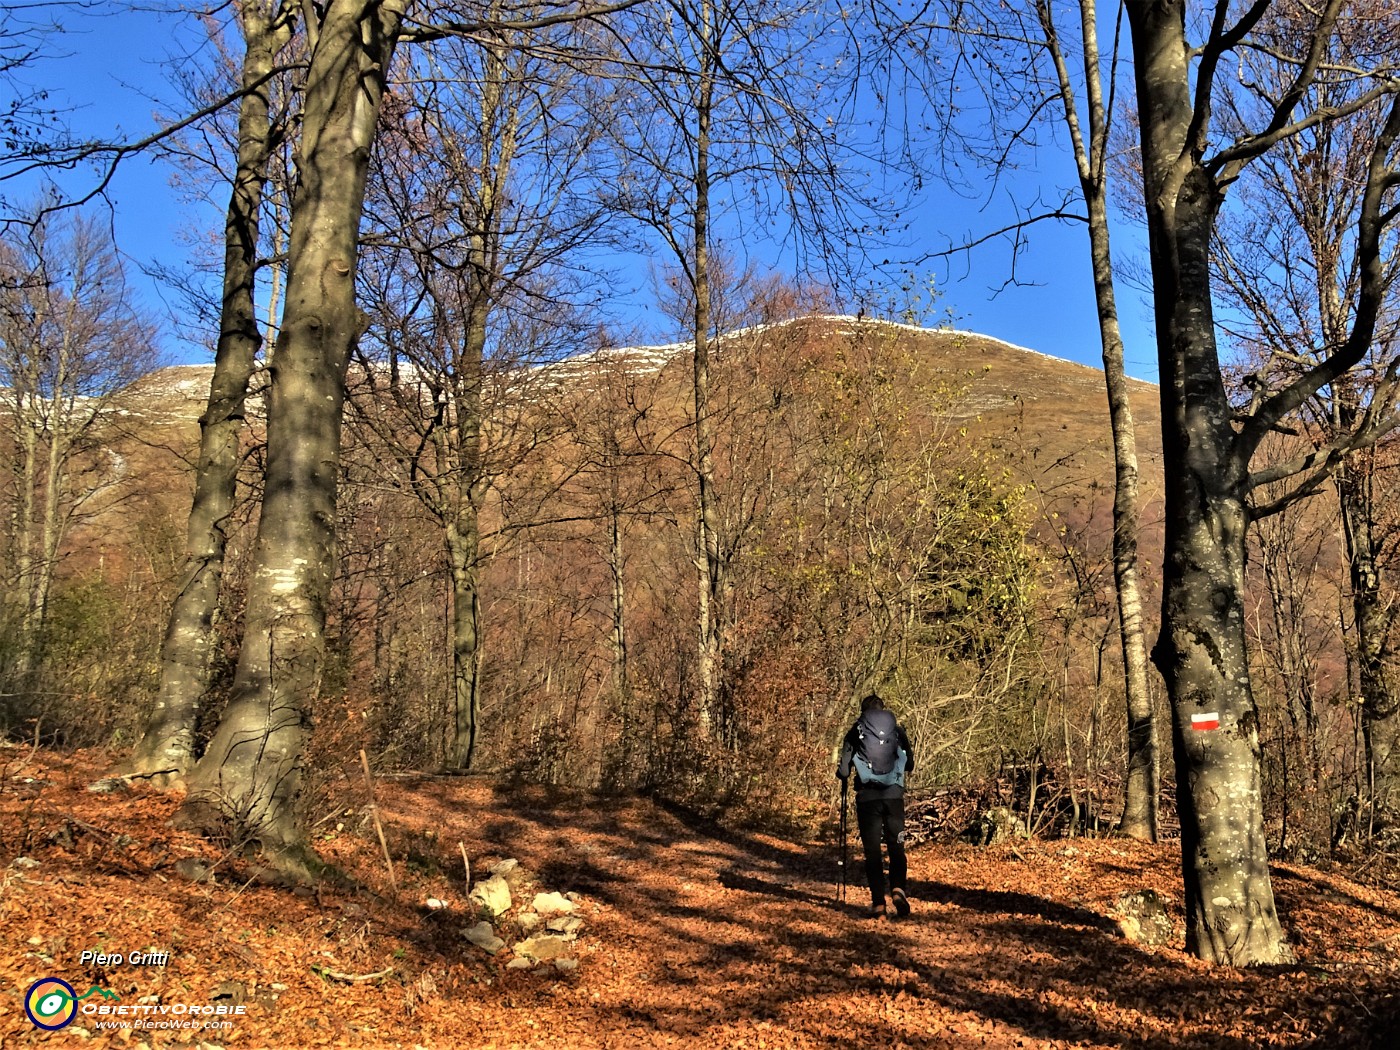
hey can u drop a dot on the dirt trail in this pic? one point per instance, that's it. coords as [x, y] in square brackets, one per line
[695, 935]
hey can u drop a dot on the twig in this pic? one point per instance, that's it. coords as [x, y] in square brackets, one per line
[466, 864]
[148, 776]
[378, 827]
[109, 841]
[229, 903]
[351, 978]
[331, 816]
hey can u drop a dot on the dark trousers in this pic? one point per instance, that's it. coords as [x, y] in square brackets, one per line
[882, 818]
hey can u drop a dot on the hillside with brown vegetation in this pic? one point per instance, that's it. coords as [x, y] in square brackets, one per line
[692, 934]
[1051, 415]
[1047, 415]
[799, 403]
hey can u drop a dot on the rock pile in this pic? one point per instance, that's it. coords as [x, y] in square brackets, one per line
[544, 932]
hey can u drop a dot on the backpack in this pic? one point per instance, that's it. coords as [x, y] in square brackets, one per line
[878, 758]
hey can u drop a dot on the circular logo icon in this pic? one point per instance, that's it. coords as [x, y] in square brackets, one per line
[51, 1004]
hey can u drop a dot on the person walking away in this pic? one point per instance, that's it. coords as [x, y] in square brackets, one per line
[877, 749]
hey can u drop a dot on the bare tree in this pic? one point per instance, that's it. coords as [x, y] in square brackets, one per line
[167, 744]
[1287, 263]
[249, 777]
[1190, 160]
[468, 291]
[70, 341]
[724, 110]
[1029, 69]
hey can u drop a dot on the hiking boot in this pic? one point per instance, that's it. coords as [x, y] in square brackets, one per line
[877, 911]
[901, 903]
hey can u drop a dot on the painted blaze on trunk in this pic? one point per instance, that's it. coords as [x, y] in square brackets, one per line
[1201, 653]
[1230, 912]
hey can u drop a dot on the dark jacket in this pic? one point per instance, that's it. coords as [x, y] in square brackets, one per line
[866, 792]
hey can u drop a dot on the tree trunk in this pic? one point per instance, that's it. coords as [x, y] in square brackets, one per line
[249, 778]
[24, 546]
[462, 547]
[711, 652]
[1230, 913]
[622, 679]
[168, 741]
[1380, 708]
[60, 435]
[1139, 818]
[463, 533]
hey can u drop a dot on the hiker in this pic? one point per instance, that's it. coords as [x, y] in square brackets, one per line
[877, 748]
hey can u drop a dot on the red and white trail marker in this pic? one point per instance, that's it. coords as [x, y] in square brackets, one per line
[1208, 721]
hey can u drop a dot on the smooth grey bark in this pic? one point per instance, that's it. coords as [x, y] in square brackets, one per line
[463, 534]
[462, 549]
[167, 743]
[1229, 902]
[23, 540]
[1140, 794]
[1208, 446]
[249, 778]
[621, 674]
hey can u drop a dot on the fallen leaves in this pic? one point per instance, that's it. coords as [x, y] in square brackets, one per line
[693, 936]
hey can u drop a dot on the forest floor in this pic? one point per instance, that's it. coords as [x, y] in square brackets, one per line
[694, 935]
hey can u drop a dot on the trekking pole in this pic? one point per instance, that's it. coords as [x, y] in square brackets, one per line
[841, 891]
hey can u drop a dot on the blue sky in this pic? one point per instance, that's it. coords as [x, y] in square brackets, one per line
[112, 72]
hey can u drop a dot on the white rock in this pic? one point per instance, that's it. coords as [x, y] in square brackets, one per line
[548, 904]
[493, 895]
[520, 963]
[566, 965]
[528, 922]
[504, 867]
[434, 904]
[109, 786]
